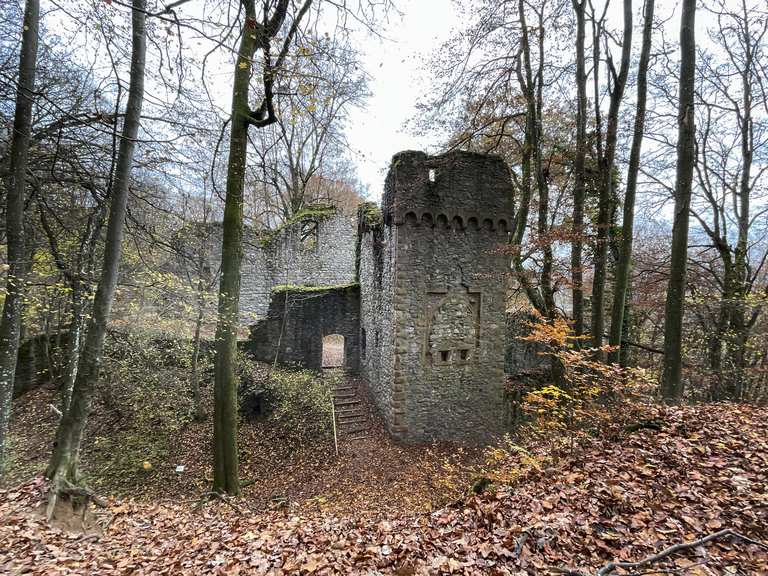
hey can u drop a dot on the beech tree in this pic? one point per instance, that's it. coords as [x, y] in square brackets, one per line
[10, 324]
[606, 154]
[624, 264]
[671, 382]
[579, 177]
[258, 31]
[63, 467]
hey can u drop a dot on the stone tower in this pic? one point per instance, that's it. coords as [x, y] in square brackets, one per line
[433, 275]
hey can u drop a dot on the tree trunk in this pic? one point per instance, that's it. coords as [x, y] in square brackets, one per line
[197, 399]
[542, 184]
[671, 383]
[621, 281]
[254, 35]
[225, 456]
[606, 181]
[72, 352]
[530, 164]
[579, 185]
[10, 324]
[63, 467]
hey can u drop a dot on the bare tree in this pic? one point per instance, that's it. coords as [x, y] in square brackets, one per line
[672, 383]
[63, 467]
[305, 147]
[10, 324]
[621, 281]
[728, 201]
[579, 185]
[617, 82]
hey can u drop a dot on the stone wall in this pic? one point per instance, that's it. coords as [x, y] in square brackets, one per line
[445, 221]
[283, 258]
[297, 321]
[377, 340]
[522, 357]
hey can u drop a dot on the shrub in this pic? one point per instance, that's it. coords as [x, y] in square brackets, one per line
[299, 400]
[587, 390]
[145, 389]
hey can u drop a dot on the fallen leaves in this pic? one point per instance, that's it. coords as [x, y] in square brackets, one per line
[621, 499]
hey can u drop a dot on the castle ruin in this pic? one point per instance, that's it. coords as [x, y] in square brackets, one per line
[416, 287]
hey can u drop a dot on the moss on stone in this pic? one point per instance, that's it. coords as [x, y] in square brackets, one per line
[370, 214]
[301, 289]
[311, 212]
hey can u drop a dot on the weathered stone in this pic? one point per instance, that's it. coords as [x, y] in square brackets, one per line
[441, 291]
[297, 321]
[426, 325]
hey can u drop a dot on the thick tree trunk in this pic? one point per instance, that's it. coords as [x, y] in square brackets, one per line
[671, 383]
[579, 184]
[225, 456]
[10, 324]
[63, 467]
[624, 266]
[254, 35]
[606, 182]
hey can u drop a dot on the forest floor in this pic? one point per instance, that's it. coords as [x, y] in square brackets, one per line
[621, 496]
[278, 468]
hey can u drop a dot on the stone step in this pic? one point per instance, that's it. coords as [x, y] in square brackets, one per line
[353, 418]
[351, 408]
[346, 426]
[344, 395]
[355, 430]
[347, 402]
[359, 437]
[340, 388]
[349, 415]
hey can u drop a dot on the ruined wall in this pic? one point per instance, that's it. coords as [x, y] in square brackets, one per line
[329, 261]
[521, 356]
[282, 258]
[446, 219]
[297, 321]
[377, 340]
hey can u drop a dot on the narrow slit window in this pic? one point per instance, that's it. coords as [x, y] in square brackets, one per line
[464, 354]
[432, 175]
[308, 235]
[445, 355]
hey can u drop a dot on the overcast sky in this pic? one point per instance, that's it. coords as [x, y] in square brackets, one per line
[377, 132]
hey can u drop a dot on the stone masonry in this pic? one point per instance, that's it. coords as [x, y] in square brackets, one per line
[417, 290]
[315, 248]
[433, 280]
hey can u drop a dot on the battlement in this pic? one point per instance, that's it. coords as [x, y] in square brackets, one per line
[453, 190]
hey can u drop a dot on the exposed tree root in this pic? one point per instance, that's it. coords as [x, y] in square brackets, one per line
[611, 567]
[60, 486]
[206, 496]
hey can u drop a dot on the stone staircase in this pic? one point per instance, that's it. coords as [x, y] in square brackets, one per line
[353, 417]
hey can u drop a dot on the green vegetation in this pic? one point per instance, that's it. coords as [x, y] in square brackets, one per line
[302, 289]
[146, 388]
[298, 401]
[310, 212]
[370, 214]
